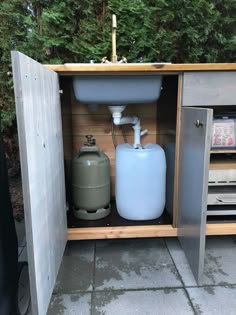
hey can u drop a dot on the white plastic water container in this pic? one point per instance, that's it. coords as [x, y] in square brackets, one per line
[140, 181]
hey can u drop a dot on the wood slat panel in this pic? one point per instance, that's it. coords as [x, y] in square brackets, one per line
[40, 137]
[177, 151]
[68, 148]
[132, 109]
[221, 229]
[121, 232]
[67, 125]
[222, 164]
[105, 142]
[142, 231]
[209, 88]
[100, 125]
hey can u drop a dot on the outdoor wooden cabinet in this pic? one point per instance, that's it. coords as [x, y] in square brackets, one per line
[183, 116]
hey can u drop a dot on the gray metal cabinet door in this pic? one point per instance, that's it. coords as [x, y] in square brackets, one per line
[193, 184]
[41, 151]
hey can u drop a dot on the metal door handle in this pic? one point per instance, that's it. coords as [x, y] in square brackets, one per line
[198, 123]
[231, 201]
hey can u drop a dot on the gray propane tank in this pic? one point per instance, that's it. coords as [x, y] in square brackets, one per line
[90, 182]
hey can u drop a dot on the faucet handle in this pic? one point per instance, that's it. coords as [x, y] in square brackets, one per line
[123, 60]
[104, 60]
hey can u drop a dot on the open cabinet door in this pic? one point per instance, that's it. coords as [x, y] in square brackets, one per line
[195, 139]
[41, 151]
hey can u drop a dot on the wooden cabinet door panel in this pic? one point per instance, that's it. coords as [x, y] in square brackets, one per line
[209, 88]
[41, 152]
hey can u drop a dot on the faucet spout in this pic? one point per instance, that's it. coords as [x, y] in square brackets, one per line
[114, 58]
[114, 27]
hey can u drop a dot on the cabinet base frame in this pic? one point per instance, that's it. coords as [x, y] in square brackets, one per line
[142, 231]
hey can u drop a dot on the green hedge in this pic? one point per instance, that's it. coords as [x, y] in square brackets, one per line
[148, 31]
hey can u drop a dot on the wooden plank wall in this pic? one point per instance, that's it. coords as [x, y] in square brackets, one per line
[78, 121]
[167, 111]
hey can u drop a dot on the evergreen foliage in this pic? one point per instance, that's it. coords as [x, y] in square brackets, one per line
[53, 31]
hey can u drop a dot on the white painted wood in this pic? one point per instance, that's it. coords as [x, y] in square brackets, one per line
[209, 88]
[41, 150]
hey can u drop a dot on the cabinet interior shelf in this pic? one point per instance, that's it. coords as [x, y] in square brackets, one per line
[221, 211]
[222, 164]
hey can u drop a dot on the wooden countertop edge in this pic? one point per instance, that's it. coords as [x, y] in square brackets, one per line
[68, 69]
[142, 231]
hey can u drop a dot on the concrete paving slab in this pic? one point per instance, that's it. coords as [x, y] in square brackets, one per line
[180, 261]
[83, 249]
[111, 242]
[73, 304]
[234, 238]
[220, 261]
[134, 264]
[220, 257]
[148, 302]
[213, 300]
[76, 271]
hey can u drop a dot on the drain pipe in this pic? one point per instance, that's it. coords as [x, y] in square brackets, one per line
[133, 120]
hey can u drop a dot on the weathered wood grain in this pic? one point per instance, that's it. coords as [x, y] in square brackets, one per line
[41, 151]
